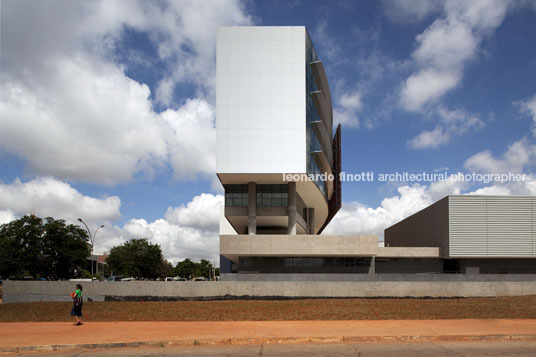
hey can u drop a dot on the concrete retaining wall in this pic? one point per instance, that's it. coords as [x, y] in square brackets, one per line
[381, 277]
[28, 291]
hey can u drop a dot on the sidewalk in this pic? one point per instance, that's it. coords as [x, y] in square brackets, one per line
[47, 336]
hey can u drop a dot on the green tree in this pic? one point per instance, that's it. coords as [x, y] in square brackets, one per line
[31, 246]
[167, 269]
[186, 269]
[137, 258]
[205, 268]
[190, 269]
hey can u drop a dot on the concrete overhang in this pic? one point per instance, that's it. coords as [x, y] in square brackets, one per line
[303, 245]
[307, 190]
[408, 252]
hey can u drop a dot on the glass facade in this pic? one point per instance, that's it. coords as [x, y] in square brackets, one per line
[313, 145]
[236, 195]
[272, 195]
[267, 195]
[304, 262]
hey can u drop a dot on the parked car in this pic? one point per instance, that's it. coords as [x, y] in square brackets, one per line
[200, 278]
[128, 279]
[114, 278]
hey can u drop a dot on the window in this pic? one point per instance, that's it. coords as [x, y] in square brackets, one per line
[272, 195]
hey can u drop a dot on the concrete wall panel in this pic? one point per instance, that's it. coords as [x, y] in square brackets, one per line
[426, 228]
[24, 291]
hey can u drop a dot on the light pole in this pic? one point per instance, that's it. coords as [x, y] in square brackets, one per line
[92, 240]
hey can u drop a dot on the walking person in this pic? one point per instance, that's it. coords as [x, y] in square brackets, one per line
[77, 307]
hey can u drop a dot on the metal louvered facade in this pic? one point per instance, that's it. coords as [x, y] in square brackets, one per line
[472, 227]
[492, 226]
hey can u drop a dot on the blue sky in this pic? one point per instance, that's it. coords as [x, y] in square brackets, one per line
[107, 108]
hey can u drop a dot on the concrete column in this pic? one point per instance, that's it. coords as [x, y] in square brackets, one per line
[372, 269]
[252, 208]
[311, 220]
[292, 208]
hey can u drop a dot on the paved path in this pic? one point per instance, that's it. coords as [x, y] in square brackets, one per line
[43, 336]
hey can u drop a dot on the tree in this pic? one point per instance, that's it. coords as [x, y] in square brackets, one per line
[31, 246]
[186, 269]
[205, 268]
[137, 258]
[189, 269]
[167, 269]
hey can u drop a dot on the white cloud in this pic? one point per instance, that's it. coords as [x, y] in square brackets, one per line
[528, 107]
[446, 46]
[519, 155]
[518, 158]
[451, 123]
[202, 212]
[71, 112]
[429, 139]
[192, 139]
[347, 108]
[355, 218]
[50, 197]
[459, 121]
[427, 85]
[186, 231]
[325, 42]
[93, 124]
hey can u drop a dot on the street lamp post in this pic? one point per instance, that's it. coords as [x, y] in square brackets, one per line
[92, 240]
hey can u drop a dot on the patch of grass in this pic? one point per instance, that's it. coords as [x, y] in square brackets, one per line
[279, 310]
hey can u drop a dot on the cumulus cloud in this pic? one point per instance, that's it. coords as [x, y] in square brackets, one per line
[186, 231]
[192, 139]
[528, 107]
[429, 139]
[347, 107]
[450, 123]
[355, 217]
[69, 109]
[201, 213]
[326, 43]
[50, 197]
[519, 155]
[446, 46]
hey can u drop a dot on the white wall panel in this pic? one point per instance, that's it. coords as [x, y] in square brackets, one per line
[261, 96]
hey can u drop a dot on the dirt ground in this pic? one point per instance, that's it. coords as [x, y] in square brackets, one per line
[523, 307]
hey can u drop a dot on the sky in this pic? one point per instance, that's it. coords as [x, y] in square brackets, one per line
[107, 108]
